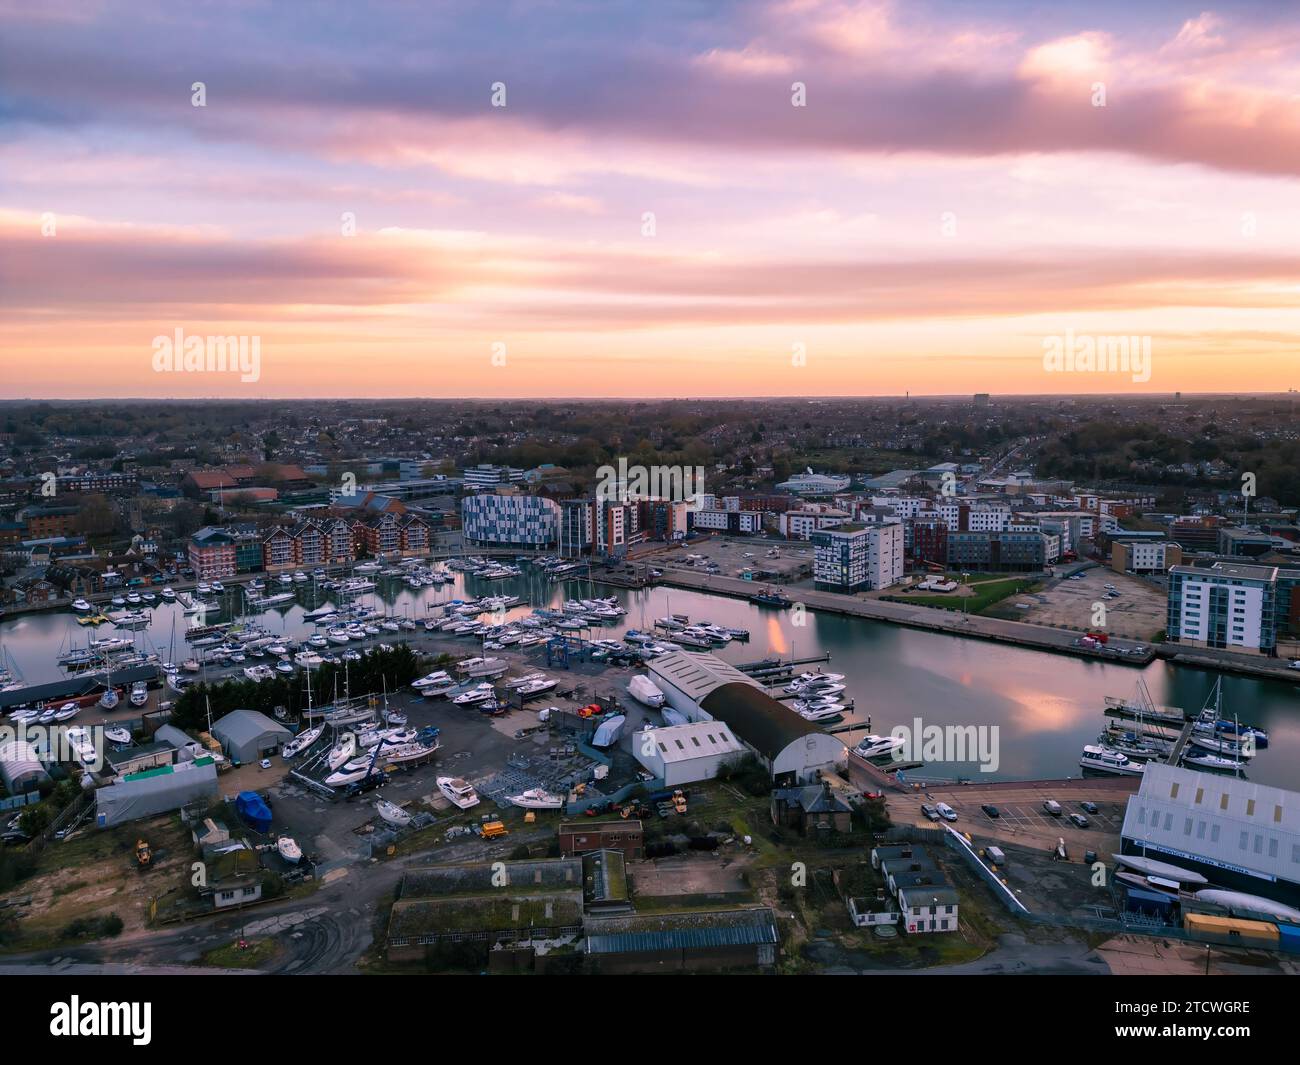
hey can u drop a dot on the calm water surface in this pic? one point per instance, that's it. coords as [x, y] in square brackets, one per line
[1045, 706]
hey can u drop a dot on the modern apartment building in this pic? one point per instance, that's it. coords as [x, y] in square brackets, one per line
[211, 553]
[1224, 606]
[926, 539]
[973, 517]
[801, 524]
[486, 475]
[1144, 556]
[997, 552]
[858, 557]
[510, 520]
[663, 519]
[577, 530]
[731, 521]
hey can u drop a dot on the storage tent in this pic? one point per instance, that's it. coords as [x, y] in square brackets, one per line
[246, 735]
[156, 792]
[21, 769]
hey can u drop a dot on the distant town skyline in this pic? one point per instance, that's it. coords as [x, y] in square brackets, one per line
[794, 198]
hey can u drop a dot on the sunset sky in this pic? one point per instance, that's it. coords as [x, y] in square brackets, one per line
[949, 196]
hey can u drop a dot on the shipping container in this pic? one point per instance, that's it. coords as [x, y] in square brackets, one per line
[1289, 937]
[1231, 931]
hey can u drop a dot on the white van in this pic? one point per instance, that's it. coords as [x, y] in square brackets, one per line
[945, 811]
[1051, 806]
[995, 856]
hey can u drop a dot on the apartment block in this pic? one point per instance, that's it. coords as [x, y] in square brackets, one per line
[858, 557]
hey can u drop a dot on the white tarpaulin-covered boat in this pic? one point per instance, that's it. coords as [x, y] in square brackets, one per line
[644, 690]
[608, 732]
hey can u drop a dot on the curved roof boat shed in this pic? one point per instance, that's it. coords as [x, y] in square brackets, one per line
[705, 688]
[21, 768]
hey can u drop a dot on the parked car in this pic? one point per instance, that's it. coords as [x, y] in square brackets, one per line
[1088, 807]
[930, 812]
[991, 810]
[946, 811]
[1079, 821]
[1051, 806]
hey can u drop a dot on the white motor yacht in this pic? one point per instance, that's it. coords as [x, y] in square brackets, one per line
[459, 793]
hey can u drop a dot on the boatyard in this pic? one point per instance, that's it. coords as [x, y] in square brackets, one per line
[533, 705]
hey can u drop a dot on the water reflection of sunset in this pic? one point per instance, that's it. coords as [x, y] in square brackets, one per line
[776, 640]
[1041, 710]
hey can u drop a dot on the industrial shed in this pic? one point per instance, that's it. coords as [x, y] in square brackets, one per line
[682, 942]
[177, 740]
[794, 750]
[682, 754]
[156, 792]
[539, 899]
[705, 688]
[20, 768]
[247, 736]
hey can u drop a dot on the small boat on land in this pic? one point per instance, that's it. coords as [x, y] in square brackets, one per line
[1163, 870]
[537, 799]
[1245, 905]
[608, 731]
[345, 749]
[459, 793]
[392, 813]
[342, 777]
[646, 692]
[301, 742]
[289, 850]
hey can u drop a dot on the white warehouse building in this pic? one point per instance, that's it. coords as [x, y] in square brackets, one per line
[703, 687]
[683, 754]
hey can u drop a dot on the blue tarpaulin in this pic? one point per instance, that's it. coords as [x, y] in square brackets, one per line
[253, 809]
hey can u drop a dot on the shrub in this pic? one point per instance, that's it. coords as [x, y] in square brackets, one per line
[93, 927]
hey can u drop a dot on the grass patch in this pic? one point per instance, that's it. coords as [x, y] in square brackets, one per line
[252, 954]
[985, 595]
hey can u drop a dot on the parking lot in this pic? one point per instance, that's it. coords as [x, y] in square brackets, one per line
[732, 556]
[1021, 816]
[1015, 816]
[1137, 612]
